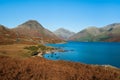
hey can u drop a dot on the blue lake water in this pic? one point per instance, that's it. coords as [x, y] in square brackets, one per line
[102, 53]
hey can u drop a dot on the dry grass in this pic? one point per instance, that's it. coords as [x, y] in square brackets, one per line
[14, 50]
[22, 50]
[41, 69]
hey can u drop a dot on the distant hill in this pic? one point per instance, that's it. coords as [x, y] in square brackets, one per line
[28, 32]
[109, 33]
[63, 33]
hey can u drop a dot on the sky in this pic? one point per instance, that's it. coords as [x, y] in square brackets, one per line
[74, 15]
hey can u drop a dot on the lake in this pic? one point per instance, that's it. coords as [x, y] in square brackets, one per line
[102, 53]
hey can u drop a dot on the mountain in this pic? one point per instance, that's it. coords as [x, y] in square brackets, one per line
[63, 33]
[30, 32]
[86, 35]
[34, 31]
[110, 33]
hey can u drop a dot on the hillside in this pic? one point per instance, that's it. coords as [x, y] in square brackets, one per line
[113, 32]
[7, 36]
[63, 33]
[86, 34]
[110, 33]
[37, 68]
[30, 32]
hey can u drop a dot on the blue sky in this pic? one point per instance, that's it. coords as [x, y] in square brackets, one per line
[73, 15]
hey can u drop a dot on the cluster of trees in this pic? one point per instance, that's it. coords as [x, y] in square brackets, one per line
[37, 68]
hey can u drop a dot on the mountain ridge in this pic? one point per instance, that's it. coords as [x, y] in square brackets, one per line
[32, 31]
[110, 33]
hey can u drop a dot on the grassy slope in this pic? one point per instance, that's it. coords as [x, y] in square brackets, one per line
[37, 68]
[15, 50]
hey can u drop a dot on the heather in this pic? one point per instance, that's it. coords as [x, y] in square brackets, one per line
[36, 68]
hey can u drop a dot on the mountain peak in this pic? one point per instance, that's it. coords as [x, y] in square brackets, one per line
[35, 31]
[63, 33]
[31, 21]
[31, 24]
[61, 29]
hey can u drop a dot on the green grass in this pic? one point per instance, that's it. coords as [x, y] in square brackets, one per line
[101, 37]
[88, 38]
[39, 48]
[28, 54]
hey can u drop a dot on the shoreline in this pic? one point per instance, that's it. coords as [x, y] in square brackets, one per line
[62, 42]
[8, 50]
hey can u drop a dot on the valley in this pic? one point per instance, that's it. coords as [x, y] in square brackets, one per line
[20, 48]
